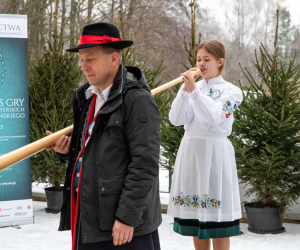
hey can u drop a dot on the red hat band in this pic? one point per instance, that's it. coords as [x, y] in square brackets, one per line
[89, 39]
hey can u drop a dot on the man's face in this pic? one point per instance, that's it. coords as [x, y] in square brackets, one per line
[96, 65]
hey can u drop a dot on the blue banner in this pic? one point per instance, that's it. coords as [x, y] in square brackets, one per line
[15, 181]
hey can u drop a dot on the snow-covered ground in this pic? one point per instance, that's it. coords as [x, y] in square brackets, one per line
[43, 235]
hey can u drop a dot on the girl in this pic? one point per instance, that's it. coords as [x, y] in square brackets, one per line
[204, 197]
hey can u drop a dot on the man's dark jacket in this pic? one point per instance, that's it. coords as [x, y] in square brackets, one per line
[119, 178]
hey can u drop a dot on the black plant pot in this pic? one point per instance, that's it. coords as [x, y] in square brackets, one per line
[264, 220]
[54, 200]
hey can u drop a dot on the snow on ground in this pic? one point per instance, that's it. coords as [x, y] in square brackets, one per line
[43, 235]
[163, 180]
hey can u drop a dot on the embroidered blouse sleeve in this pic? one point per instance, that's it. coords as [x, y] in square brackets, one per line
[181, 112]
[216, 111]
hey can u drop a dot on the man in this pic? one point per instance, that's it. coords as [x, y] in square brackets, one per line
[111, 190]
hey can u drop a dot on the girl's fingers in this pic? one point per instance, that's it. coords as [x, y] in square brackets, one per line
[189, 73]
[184, 75]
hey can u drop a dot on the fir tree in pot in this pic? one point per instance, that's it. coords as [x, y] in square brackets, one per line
[267, 142]
[52, 81]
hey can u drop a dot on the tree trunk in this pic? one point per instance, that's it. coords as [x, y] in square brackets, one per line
[128, 23]
[43, 28]
[112, 10]
[5, 6]
[121, 5]
[130, 10]
[90, 8]
[73, 18]
[57, 186]
[50, 23]
[63, 14]
[55, 17]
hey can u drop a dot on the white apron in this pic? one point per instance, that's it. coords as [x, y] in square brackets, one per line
[205, 183]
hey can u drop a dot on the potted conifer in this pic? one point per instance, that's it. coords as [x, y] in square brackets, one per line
[267, 142]
[52, 80]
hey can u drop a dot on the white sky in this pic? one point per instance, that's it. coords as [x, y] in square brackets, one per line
[293, 6]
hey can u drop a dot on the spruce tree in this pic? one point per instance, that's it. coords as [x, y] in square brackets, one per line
[266, 132]
[171, 135]
[52, 81]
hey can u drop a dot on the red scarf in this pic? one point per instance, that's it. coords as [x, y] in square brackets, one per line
[74, 199]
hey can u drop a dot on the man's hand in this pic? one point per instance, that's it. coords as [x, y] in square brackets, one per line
[121, 233]
[62, 145]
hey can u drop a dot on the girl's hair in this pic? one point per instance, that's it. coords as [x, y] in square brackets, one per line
[215, 48]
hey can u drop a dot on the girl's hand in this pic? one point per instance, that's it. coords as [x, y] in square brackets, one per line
[196, 76]
[189, 81]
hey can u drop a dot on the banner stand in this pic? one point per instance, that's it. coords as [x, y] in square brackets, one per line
[17, 222]
[15, 181]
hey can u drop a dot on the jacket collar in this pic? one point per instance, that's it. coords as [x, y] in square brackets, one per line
[94, 90]
[121, 83]
[118, 83]
[215, 80]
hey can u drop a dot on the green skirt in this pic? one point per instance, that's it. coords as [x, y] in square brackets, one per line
[208, 229]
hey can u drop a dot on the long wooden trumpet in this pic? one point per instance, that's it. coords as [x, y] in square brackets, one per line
[22, 153]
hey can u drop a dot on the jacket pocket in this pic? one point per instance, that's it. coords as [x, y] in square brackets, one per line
[115, 120]
[110, 192]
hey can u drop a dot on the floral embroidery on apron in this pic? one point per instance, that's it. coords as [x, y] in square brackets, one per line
[195, 201]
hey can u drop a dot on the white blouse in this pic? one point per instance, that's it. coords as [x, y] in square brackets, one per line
[208, 108]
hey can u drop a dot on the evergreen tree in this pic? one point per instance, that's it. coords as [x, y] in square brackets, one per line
[171, 135]
[266, 137]
[52, 81]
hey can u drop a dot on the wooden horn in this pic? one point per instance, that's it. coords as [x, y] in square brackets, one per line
[172, 83]
[22, 153]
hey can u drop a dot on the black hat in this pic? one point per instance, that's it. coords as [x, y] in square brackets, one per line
[101, 34]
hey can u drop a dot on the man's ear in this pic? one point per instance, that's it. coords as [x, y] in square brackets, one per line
[115, 59]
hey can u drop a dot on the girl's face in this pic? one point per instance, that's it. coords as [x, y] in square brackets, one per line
[208, 64]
